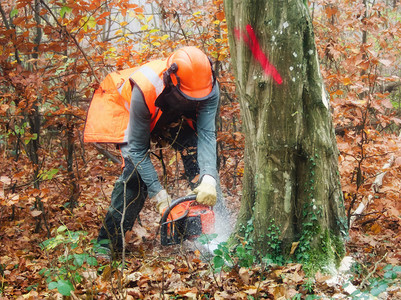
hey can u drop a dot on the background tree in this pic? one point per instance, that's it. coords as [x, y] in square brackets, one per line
[52, 56]
[361, 68]
[291, 188]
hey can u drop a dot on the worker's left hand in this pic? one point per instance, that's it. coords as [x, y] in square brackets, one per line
[206, 192]
[162, 200]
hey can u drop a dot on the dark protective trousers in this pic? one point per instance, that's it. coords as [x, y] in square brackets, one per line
[130, 191]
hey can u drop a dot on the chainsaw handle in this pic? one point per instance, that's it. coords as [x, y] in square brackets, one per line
[163, 229]
[173, 204]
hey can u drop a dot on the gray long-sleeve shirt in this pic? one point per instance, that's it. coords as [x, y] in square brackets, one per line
[137, 148]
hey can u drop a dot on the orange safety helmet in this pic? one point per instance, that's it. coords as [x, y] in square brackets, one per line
[190, 71]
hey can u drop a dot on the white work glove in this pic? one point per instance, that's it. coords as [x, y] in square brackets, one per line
[206, 192]
[162, 200]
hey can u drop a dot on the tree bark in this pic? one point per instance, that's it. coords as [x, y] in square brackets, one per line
[291, 187]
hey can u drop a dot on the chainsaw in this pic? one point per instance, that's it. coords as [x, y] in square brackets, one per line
[185, 219]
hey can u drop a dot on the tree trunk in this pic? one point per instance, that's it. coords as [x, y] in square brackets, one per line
[291, 187]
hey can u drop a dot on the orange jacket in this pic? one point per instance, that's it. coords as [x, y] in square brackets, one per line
[108, 113]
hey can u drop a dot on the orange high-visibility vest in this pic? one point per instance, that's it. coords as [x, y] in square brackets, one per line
[108, 114]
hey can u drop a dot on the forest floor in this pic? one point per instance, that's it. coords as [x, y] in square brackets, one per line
[182, 271]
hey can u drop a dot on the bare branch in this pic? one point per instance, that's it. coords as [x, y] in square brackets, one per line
[64, 30]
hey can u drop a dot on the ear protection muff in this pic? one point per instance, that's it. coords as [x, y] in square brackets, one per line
[167, 75]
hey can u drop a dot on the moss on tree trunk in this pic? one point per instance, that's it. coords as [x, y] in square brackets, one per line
[291, 188]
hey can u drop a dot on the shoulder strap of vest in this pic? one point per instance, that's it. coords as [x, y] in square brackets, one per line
[149, 79]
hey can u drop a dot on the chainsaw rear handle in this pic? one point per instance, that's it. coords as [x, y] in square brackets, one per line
[173, 204]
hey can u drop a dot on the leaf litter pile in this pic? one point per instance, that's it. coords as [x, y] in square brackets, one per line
[181, 271]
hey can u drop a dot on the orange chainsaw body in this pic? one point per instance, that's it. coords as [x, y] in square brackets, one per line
[185, 219]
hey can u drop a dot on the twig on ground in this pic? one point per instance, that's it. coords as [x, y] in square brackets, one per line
[375, 189]
[373, 271]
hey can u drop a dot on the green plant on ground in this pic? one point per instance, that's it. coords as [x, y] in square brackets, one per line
[241, 255]
[309, 285]
[375, 285]
[78, 256]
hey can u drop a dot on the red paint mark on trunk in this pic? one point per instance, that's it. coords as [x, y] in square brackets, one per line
[250, 39]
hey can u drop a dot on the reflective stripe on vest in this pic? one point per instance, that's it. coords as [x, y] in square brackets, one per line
[108, 114]
[149, 79]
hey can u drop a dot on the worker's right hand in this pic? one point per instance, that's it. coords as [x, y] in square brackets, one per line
[162, 200]
[206, 192]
